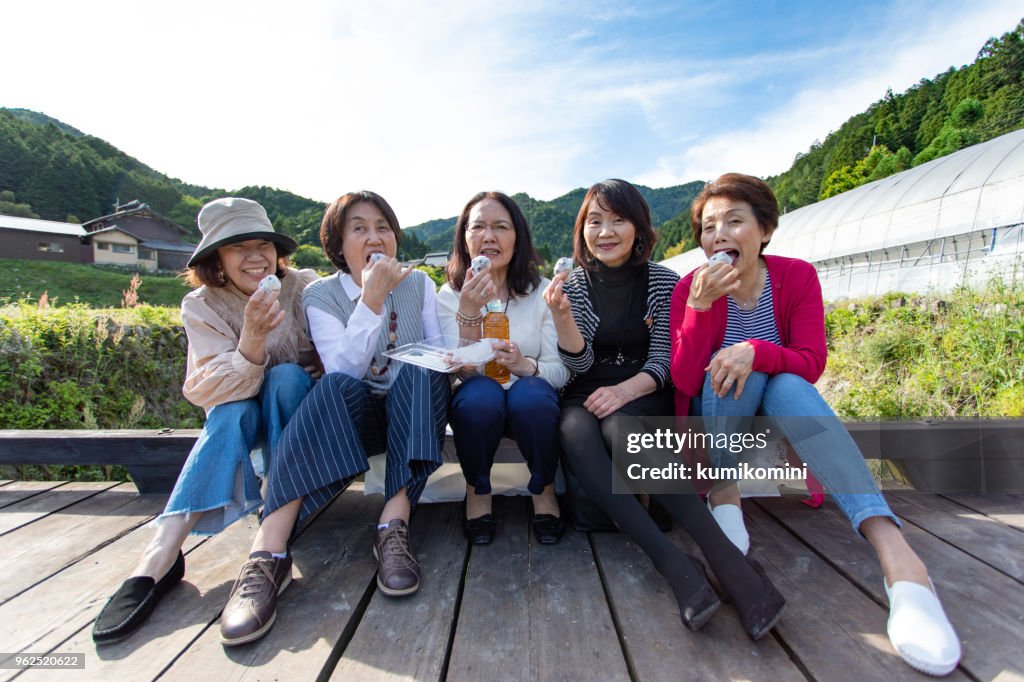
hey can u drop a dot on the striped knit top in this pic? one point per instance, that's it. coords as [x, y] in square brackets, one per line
[660, 283]
[759, 323]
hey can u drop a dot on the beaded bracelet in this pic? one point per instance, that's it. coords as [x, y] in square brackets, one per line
[464, 321]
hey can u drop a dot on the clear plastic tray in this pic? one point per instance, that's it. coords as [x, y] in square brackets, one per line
[444, 353]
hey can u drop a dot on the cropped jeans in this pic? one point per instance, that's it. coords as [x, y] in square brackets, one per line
[814, 431]
[218, 477]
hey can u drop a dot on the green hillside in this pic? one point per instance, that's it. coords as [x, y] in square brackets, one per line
[53, 171]
[99, 287]
[551, 222]
[955, 109]
[56, 172]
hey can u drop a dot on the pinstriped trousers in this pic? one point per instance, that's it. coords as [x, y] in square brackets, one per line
[326, 443]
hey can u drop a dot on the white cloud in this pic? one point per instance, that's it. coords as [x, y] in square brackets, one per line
[428, 104]
[917, 46]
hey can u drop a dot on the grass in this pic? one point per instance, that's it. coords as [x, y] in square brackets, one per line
[93, 285]
[902, 356]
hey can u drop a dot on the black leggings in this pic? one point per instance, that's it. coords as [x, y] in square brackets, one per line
[587, 442]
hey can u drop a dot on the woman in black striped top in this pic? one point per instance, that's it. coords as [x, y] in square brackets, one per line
[612, 319]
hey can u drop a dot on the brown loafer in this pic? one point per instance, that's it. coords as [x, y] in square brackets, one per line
[399, 572]
[252, 606]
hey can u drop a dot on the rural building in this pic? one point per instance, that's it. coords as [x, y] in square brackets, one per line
[135, 234]
[32, 239]
[955, 220]
[437, 259]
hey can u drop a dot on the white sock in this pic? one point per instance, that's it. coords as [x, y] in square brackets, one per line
[279, 555]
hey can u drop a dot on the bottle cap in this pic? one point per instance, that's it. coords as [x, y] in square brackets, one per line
[495, 306]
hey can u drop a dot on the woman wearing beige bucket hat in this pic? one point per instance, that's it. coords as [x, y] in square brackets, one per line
[250, 364]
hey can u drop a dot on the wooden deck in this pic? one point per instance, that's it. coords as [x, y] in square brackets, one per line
[592, 607]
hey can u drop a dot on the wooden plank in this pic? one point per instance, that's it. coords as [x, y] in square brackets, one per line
[20, 490]
[153, 458]
[332, 573]
[1008, 509]
[42, 618]
[497, 582]
[32, 553]
[182, 614]
[995, 543]
[407, 638]
[657, 643]
[39, 506]
[830, 626]
[534, 612]
[984, 605]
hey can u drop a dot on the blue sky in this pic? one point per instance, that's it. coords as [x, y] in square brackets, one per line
[429, 103]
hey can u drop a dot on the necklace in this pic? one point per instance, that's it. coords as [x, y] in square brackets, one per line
[751, 303]
[376, 369]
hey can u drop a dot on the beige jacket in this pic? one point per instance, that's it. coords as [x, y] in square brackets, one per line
[216, 372]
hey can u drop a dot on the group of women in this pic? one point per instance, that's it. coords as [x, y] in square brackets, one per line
[301, 367]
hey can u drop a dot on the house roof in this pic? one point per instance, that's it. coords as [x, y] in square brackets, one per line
[44, 226]
[178, 247]
[135, 207]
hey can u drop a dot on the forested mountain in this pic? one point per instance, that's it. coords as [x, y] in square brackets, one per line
[551, 222]
[52, 171]
[936, 117]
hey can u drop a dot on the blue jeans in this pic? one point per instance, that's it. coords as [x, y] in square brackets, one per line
[482, 412]
[218, 477]
[813, 430]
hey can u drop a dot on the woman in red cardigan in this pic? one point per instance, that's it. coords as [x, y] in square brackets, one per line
[748, 338]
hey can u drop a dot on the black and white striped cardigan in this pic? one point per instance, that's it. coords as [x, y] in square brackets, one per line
[661, 281]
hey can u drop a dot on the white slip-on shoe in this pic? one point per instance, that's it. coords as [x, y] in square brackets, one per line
[919, 630]
[730, 520]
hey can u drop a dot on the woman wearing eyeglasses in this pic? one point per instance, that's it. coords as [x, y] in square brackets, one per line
[525, 405]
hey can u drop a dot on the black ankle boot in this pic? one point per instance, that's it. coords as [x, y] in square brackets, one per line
[761, 615]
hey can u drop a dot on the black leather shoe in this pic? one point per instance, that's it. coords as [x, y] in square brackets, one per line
[480, 531]
[547, 528]
[133, 602]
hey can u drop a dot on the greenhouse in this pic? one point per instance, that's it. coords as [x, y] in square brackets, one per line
[954, 220]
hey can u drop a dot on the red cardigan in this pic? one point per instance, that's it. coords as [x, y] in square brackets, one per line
[799, 315]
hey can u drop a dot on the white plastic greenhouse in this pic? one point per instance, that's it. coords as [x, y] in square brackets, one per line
[957, 219]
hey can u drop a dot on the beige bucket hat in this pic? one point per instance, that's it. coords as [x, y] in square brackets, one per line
[234, 219]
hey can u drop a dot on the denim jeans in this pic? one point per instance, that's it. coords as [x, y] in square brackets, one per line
[218, 477]
[483, 411]
[813, 430]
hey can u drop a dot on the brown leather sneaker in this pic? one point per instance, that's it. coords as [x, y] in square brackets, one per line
[252, 606]
[399, 572]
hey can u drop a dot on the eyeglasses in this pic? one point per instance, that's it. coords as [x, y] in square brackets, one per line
[477, 229]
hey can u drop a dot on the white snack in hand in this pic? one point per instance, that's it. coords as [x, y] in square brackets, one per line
[270, 283]
[374, 257]
[474, 354]
[721, 257]
[563, 265]
[479, 264]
